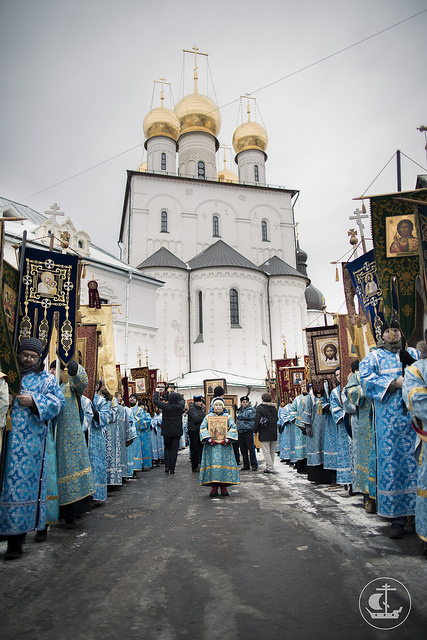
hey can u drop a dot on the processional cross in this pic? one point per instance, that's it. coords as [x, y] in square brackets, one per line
[358, 215]
[55, 212]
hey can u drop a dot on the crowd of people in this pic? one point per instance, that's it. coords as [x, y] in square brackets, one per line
[65, 453]
[360, 435]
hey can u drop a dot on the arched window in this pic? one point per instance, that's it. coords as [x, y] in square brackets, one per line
[256, 173]
[164, 222]
[264, 230]
[201, 170]
[234, 307]
[200, 313]
[215, 226]
[163, 161]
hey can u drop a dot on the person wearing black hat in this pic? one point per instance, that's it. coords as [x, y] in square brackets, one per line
[23, 495]
[171, 426]
[196, 413]
[381, 378]
[245, 428]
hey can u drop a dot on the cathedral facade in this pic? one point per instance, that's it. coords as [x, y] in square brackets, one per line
[223, 244]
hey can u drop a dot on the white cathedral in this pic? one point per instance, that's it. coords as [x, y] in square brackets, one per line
[235, 288]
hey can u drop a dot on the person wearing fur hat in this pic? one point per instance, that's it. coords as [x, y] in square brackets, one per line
[171, 426]
[23, 495]
[381, 378]
[218, 467]
[414, 392]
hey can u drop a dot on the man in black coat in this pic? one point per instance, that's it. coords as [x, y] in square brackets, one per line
[171, 426]
[266, 427]
[196, 413]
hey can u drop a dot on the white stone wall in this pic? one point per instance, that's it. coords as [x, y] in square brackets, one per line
[194, 147]
[246, 161]
[288, 315]
[191, 206]
[225, 347]
[155, 147]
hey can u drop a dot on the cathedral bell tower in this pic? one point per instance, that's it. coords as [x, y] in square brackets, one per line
[250, 142]
[199, 125]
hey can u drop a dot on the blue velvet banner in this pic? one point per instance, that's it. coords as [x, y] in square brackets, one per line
[49, 294]
[363, 274]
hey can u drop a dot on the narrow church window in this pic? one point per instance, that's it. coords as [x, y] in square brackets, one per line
[164, 222]
[234, 307]
[256, 173]
[264, 230]
[215, 224]
[200, 313]
[163, 161]
[80, 244]
[201, 170]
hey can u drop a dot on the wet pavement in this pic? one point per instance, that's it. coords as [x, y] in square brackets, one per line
[279, 558]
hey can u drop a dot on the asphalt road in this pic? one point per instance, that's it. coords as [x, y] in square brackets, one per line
[278, 559]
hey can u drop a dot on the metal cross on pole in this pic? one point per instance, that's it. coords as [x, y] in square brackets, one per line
[55, 212]
[358, 217]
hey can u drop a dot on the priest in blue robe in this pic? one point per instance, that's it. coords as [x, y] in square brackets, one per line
[23, 496]
[381, 377]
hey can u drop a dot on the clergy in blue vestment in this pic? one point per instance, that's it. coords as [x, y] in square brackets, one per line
[122, 425]
[315, 420]
[363, 439]
[134, 451]
[381, 377]
[23, 496]
[218, 467]
[414, 392]
[300, 449]
[343, 439]
[75, 476]
[145, 434]
[284, 422]
[96, 445]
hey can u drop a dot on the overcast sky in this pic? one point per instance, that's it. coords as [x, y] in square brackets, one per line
[77, 81]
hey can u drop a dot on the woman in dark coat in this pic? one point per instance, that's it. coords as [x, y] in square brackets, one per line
[266, 428]
[171, 426]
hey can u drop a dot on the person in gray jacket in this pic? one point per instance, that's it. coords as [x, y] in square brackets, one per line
[245, 427]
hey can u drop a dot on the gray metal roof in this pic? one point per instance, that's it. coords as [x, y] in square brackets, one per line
[277, 267]
[314, 298]
[163, 258]
[221, 254]
[15, 209]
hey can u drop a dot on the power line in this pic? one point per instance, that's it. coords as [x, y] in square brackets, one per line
[227, 104]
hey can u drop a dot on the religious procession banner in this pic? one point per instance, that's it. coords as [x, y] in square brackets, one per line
[397, 247]
[87, 355]
[283, 379]
[49, 287]
[323, 354]
[141, 377]
[103, 319]
[347, 350]
[420, 211]
[363, 276]
[9, 297]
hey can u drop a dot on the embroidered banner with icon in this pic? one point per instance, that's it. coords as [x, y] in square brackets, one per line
[363, 275]
[324, 355]
[49, 294]
[397, 247]
[8, 306]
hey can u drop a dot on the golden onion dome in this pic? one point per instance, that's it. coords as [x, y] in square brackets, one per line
[197, 112]
[227, 176]
[143, 167]
[161, 122]
[250, 135]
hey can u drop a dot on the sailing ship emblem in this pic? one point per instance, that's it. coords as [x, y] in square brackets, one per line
[385, 603]
[379, 607]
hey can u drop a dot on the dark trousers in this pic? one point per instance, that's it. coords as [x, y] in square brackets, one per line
[236, 451]
[171, 451]
[14, 543]
[247, 448]
[196, 448]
